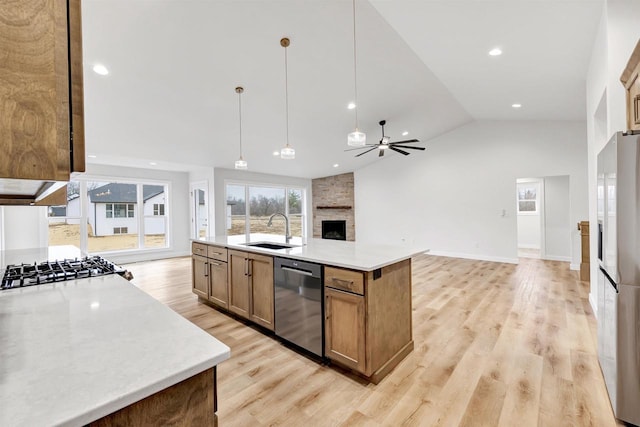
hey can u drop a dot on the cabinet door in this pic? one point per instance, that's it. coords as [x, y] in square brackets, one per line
[261, 277]
[200, 275]
[345, 328]
[34, 94]
[238, 266]
[218, 291]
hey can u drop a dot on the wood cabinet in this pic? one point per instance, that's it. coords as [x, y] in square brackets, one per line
[368, 318]
[209, 276]
[344, 328]
[631, 80]
[200, 276]
[41, 96]
[251, 287]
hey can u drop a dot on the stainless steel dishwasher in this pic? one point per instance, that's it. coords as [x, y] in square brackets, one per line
[299, 304]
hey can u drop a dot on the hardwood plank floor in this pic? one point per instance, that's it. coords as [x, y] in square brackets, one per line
[495, 345]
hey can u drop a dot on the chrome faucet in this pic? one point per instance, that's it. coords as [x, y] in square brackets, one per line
[287, 231]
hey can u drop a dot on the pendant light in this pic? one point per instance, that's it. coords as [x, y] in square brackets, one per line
[355, 138]
[240, 163]
[287, 152]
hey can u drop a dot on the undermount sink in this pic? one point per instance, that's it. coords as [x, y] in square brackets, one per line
[269, 245]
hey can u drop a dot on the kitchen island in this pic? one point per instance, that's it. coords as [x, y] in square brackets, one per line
[366, 303]
[100, 351]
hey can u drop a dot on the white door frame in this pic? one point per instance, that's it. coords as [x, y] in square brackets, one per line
[198, 185]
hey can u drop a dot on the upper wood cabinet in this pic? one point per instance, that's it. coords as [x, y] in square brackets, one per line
[631, 80]
[41, 95]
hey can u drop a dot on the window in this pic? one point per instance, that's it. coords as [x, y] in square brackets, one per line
[119, 210]
[527, 198]
[263, 201]
[111, 216]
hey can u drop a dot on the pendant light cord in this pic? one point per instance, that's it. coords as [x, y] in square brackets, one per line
[286, 91]
[355, 66]
[240, 121]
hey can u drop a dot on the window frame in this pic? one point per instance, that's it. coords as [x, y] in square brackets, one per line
[84, 213]
[286, 187]
[532, 184]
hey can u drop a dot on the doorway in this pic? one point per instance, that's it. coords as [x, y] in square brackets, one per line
[199, 209]
[543, 217]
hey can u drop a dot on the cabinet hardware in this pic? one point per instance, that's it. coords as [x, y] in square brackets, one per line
[214, 263]
[342, 282]
[206, 269]
[250, 267]
[246, 266]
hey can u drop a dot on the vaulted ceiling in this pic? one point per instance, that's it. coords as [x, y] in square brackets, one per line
[423, 66]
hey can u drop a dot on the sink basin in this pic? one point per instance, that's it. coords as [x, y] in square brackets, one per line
[269, 245]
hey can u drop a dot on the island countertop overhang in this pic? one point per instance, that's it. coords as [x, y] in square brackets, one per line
[352, 255]
[81, 349]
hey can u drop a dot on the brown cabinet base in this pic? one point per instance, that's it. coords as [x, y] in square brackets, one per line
[191, 402]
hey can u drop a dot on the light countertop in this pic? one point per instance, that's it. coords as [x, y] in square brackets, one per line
[72, 352]
[339, 253]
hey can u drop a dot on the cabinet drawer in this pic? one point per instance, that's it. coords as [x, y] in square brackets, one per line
[199, 249]
[216, 252]
[347, 280]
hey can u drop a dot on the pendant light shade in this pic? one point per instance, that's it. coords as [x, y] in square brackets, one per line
[287, 152]
[355, 138]
[240, 163]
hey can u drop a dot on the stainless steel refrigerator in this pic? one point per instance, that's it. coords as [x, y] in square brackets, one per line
[619, 273]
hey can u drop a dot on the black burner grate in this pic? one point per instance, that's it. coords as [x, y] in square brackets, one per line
[16, 276]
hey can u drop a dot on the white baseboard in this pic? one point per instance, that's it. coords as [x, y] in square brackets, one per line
[558, 258]
[574, 267]
[474, 256]
[528, 247]
[594, 306]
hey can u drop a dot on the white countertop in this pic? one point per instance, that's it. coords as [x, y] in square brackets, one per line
[72, 352]
[340, 253]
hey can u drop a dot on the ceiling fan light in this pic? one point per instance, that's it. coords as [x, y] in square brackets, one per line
[383, 146]
[288, 153]
[357, 139]
[241, 164]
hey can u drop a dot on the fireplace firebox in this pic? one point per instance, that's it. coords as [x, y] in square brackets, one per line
[334, 230]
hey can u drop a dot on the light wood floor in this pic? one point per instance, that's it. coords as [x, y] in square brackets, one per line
[496, 345]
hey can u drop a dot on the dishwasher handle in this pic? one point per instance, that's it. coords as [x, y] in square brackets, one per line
[295, 270]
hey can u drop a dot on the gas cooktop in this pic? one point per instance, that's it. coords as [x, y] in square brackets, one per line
[16, 276]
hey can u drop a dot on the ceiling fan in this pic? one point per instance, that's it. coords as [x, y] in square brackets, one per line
[385, 145]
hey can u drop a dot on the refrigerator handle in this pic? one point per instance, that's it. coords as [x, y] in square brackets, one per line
[609, 279]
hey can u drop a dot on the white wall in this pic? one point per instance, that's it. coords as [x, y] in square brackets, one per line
[557, 224]
[617, 36]
[25, 227]
[222, 175]
[450, 198]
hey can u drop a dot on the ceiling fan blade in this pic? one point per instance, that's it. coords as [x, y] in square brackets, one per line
[381, 153]
[409, 147]
[408, 141]
[360, 148]
[365, 152]
[398, 150]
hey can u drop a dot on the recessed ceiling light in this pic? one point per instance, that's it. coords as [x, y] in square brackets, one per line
[516, 105]
[351, 106]
[495, 52]
[92, 156]
[276, 153]
[100, 69]
[405, 133]
[152, 163]
[335, 165]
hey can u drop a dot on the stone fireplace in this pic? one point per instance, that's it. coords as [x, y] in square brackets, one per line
[332, 202]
